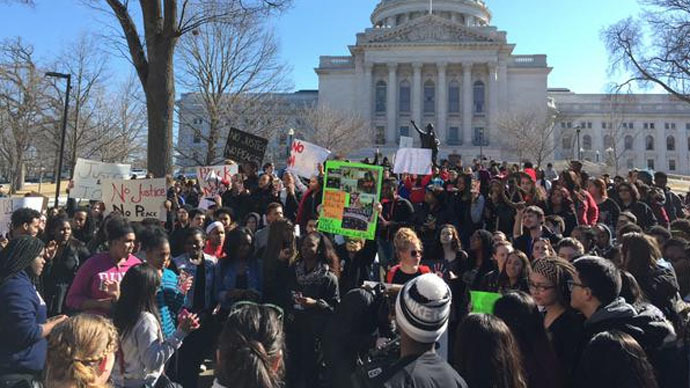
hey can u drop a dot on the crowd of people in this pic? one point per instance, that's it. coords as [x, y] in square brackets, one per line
[593, 275]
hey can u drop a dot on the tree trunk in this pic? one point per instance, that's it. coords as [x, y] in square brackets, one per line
[160, 103]
[214, 127]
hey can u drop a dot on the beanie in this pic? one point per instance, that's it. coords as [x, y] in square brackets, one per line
[423, 307]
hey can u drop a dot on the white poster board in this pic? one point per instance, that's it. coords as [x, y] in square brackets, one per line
[136, 199]
[209, 187]
[305, 158]
[88, 175]
[406, 142]
[413, 161]
[9, 205]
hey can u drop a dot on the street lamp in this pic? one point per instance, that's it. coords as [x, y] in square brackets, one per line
[481, 145]
[68, 77]
[597, 156]
[291, 135]
[579, 150]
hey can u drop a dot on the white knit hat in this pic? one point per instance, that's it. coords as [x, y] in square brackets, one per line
[423, 307]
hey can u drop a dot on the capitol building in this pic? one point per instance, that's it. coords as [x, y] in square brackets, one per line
[447, 65]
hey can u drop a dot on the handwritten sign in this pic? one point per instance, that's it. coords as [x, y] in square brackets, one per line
[88, 175]
[244, 147]
[136, 199]
[350, 191]
[305, 158]
[413, 161]
[9, 205]
[209, 187]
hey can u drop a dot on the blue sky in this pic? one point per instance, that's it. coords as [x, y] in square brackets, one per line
[567, 31]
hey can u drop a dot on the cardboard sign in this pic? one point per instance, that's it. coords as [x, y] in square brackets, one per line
[305, 158]
[406, 142]
[209, 178]
[88, 175]
[9, 205]
[244, 147]
[413, 161]
[350, 191]
[136, 199]
[483, 302]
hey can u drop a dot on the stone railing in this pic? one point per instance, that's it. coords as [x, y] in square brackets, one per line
[328, 62]
[528, 61]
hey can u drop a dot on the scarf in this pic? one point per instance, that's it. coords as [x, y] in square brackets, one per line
[305, 278]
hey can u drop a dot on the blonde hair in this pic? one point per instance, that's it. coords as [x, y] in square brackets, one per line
[75, 349]
[404, 238]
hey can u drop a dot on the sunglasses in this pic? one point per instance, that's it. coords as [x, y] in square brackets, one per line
[415, 253]
[238, 306]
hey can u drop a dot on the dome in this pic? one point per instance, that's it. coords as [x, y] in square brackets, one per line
[392, 13]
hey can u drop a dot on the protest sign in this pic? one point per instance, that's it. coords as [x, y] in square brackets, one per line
[350, 191]
[136, 199]
[305, 158]
[244, 147]
[88, 175]
[483, 302]
[9, 205]
[413, 161]
[209, 178]
[406, 142]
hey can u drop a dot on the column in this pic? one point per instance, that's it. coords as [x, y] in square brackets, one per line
[417, 94]
[442, 102]
[391, 104]
[503, 85]
[492, 113]
[660, 163]
[367, 90]
[467, 103]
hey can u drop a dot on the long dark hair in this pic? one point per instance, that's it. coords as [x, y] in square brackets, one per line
[281, 236]
[487, 248]
[137, 295]
[486, 353]
[325, 252]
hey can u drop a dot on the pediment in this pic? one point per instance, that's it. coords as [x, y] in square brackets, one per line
[433, 29]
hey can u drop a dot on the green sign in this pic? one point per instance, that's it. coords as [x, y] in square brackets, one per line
[483, 302]
[349, 194]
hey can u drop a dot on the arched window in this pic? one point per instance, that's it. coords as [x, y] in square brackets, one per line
[381, 91]
[649, 143]
[565, 143]
[628, 143]
[479, 97]
[670, 143]
[454, 97]
[608, 141]
[404, 97]
[429, 97]
[587, 142]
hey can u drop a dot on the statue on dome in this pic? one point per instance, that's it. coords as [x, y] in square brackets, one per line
[429, 140]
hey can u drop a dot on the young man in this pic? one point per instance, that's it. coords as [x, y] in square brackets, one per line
[532, 222]
[25, 221]
[274, 212]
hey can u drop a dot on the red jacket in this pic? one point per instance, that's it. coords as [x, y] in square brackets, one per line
[391, 273]
[417, 192]
[588, 212]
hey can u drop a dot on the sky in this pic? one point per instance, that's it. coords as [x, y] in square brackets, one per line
[566, 31]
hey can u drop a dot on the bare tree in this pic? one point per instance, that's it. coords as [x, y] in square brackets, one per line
[530, 134]
[618, 130]
[232, 66]
[340, 132]
[21, 88]
[654, 47]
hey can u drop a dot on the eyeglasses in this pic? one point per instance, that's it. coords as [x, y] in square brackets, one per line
[238, 306]
[540, 287]
[572, 284]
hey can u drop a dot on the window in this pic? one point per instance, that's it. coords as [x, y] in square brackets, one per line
[672, 165]
[666, 126]
[687, 126]
[479, 97]
[404, 131]
[197, 138]
[646, 126]
[563, 124]
[630, 164]
[454, 136]
[405, 97]
[650, 164]
[670, 143]
[380, 135]
[198, 120]
[628, 143]
[454, 97]
[587, 142]
[566, 143]
[608, 141]
[480, 137]
[651, 125]
[603, 125]
[649, 143]
[569, 124]
[429, 97]
[631, 126]
[673, 125]
[625, 125]
[380, 97]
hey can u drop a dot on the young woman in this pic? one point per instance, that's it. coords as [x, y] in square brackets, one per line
[95, 287]
[215, 241]
[59, 272]
[81, 353]
[143, 349]
[83, 225]
[561, 204]
[357, 258]
[280, 253]
[479, 259]
[499, 214]
[239, 274]
[23, 324]
[448, 255]
[630, 201]
[251, 348]
[408, 249]
[542, 367]
[252, 221]
[515, 274]
[487, 355]
[549, 287]
[542, 248]
[608, 208]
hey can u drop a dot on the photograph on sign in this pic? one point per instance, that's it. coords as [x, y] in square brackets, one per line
[136, 199]
[349, 195]
[244, 147]
[88, 175]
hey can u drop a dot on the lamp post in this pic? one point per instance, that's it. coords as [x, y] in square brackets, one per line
[64, 129]
[291, 135]
[597, 156]
[481, 145]
[579, 150]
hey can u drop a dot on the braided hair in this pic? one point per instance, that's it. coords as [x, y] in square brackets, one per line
[18, 255]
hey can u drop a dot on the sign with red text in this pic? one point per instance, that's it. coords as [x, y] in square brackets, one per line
[209, 178]
[305, 158]
[136, 199]
[88, 175]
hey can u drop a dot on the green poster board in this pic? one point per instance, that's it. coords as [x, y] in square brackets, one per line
[483, 302]
[349, 194]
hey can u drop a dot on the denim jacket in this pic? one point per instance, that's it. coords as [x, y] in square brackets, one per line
[183, 264]
[227, 275]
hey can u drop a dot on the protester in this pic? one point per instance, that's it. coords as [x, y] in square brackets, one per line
[24, 221]
[238, 275]
[215, 233]
[515, 274]
[408, 249]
